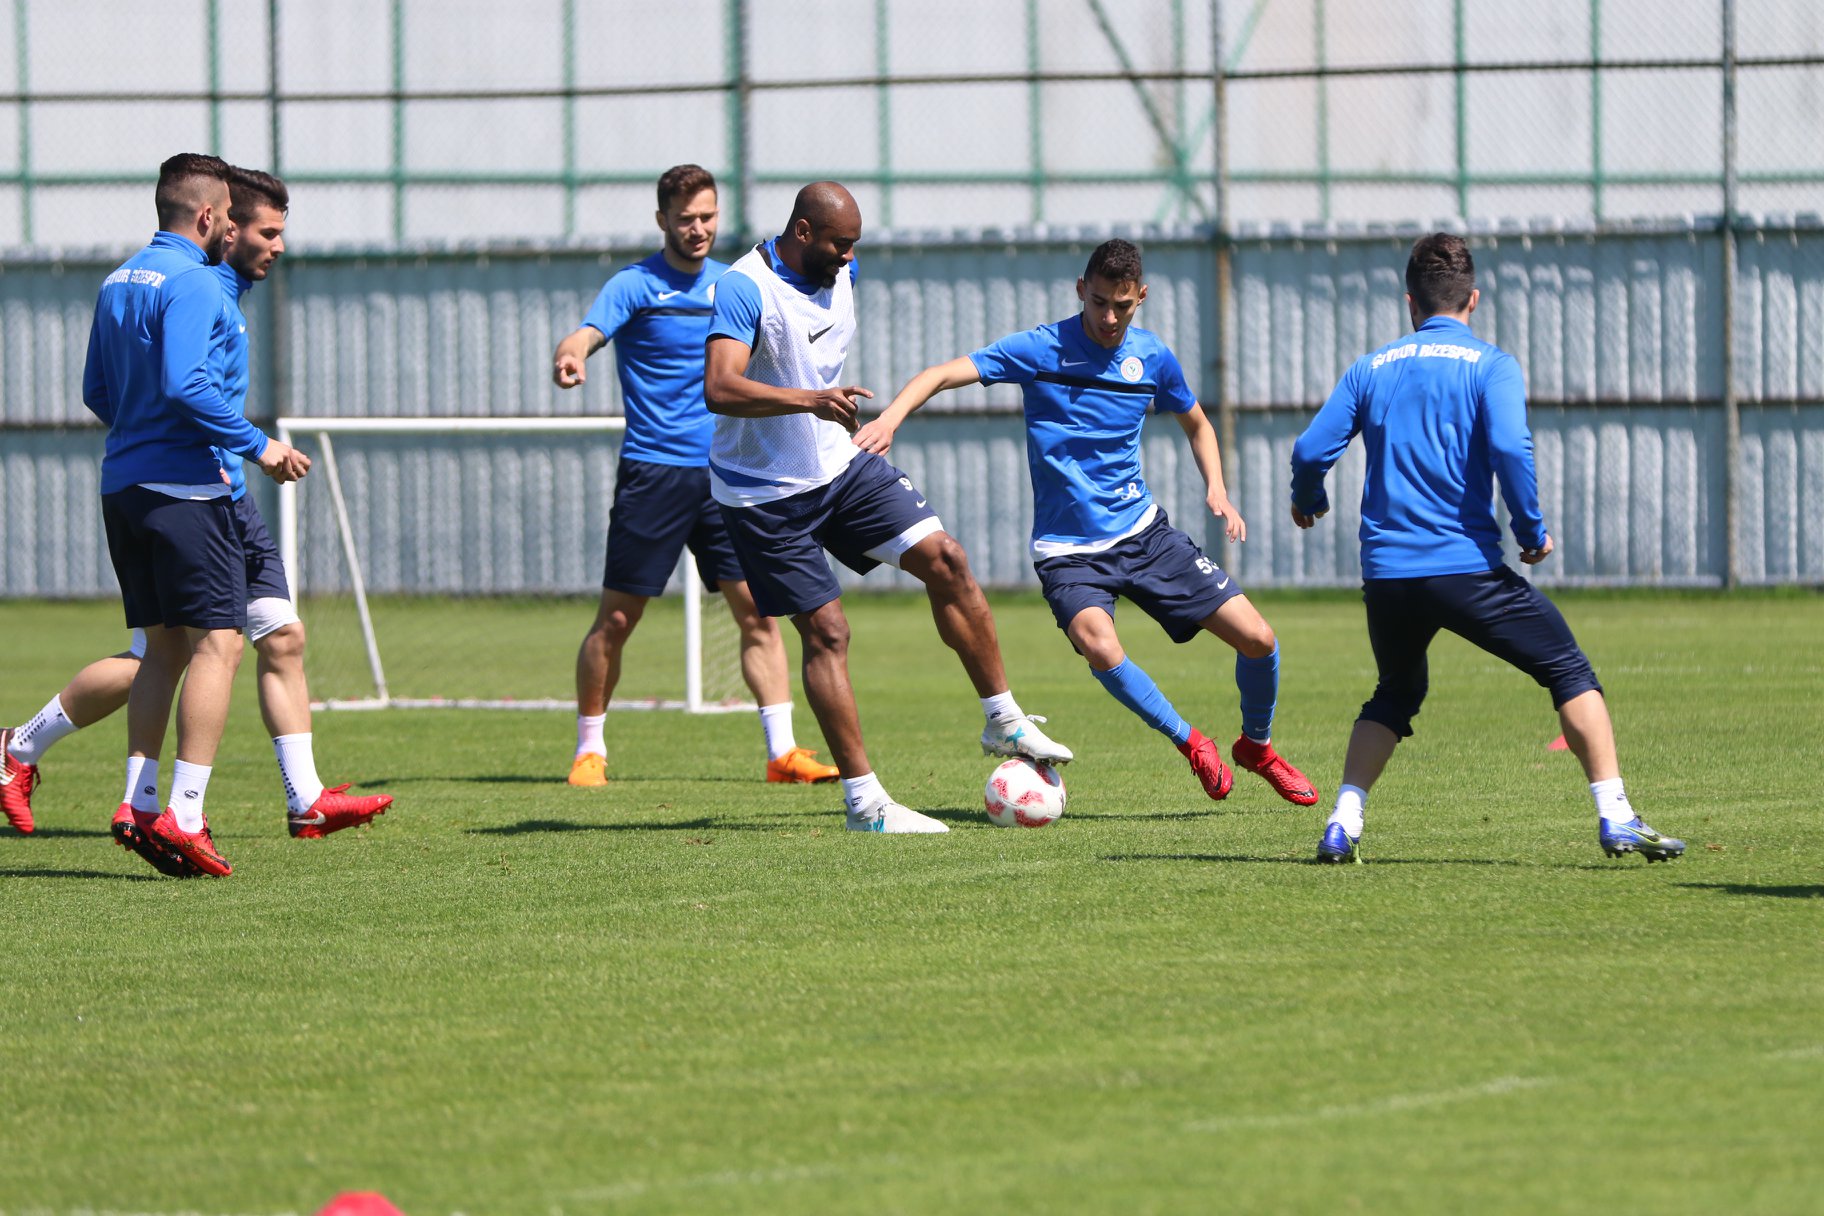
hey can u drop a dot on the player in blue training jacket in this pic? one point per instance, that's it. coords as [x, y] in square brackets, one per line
[1097, 535]
[256, 241]
[1442, 416]
[656, 312]
[152, 375]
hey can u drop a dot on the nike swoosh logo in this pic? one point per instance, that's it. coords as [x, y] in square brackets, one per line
[1072, 362]
[1222, 584]
[308, 819]
[666, 295]
[826, 329]
[243, 329]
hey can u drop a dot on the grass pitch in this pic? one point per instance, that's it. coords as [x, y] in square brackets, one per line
[692, 992]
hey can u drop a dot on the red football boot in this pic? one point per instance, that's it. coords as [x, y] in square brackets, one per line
[335, 809]
[17, 781]
[1206, 762]
[1286, 781]
[194, 847]
[130, 828]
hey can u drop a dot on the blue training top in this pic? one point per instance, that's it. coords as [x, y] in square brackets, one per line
[158, 320]
[1085, 406]
[658, 320]
[229, 362]
[1441, 414]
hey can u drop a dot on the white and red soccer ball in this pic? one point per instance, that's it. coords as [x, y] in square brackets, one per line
[1021, 794]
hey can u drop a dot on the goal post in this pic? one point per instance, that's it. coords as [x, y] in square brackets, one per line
[329, 578]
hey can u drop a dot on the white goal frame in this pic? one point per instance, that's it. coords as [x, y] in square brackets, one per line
[321, 428]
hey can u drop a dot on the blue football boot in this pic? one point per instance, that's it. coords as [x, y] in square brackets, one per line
[1338, 846]
[1635, 836]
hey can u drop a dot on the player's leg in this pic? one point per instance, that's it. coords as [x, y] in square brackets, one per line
[880, 516]
[91, 695]
[763, 664]
[1400, 629]
[788, 576]
[598, 671]
[1512, 619]
[1241, 625]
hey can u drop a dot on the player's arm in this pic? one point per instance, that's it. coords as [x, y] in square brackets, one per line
[94, 378]
[1321, 446]
[567, 364]
[1510, 450]
[727, 389]
[877, 435]
[195, 303]
[1208, 455]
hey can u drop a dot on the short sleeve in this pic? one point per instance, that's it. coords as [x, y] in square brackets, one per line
[738, 309]
[1015, 359]
[1172, 395]
[615, 305]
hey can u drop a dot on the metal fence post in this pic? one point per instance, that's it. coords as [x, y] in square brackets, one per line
[1732, 415]
[1219, 174]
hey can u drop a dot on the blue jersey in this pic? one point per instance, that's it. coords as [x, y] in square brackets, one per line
[1441, 415]
[738, 308]
[229, 364]
[658, 320]
[148, 375]
[1085, 405]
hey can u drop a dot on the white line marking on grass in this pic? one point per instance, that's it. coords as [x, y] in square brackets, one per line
[1381, 1106]
[1815, 1051]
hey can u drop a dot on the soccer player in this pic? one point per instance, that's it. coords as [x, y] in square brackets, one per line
[656, 312]
[1097, 534]
[1442, 416]
[258, 210]
[166, 503]
[793, 485]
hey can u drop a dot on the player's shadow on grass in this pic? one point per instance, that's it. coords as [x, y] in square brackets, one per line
[381, 783]
[1307, 860]
[1766, 890]
[526, 827]
[76, 874]
[69, 833]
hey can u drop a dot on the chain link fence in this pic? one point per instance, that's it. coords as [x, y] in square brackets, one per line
[408, 121]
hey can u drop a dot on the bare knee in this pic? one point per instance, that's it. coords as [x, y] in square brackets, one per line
[284, 646]
[1093, 634]
[825, 632]
[219, 645]
[944, 567]
[1258, 642]
[615, 624]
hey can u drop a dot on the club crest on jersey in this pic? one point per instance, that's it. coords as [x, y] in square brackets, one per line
[1132, 369]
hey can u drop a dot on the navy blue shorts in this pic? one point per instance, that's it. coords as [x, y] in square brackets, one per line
[179, 561]
[659, 509]
[1159, 568]
[265, 569]
[1494, 609]
[782, 543]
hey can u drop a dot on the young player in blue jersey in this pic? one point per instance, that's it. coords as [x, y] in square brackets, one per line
[152, 376]
[1097, 535]
[656, 312]
[256, 240]
[794, 487]
[1442, 415]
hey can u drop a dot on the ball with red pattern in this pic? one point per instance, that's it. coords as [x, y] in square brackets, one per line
[1021, 794]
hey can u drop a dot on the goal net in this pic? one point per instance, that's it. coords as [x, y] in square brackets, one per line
[456, 562]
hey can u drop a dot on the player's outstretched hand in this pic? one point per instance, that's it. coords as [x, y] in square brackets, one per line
[876, 436]
[1305, 521]
[568, 371]
[839, 405]
[1533, 557]
[1232, 522]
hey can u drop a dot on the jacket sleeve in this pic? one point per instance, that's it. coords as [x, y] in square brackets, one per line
[1324, 442]
[189, 326]
[1510, 450]
[94, 378]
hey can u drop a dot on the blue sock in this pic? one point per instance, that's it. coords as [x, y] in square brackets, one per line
[1258, 680]
[1131, 686]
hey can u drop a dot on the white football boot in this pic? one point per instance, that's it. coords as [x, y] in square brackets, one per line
[1019, 736]
[892, 817]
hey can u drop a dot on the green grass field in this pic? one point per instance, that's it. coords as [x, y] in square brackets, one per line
[692, 992]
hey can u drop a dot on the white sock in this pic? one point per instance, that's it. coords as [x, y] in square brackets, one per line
[1351, 802]
[589, 734]
[142, 784]
[298, 768]
[776, 721]
[1611, 800]
[1000, 706]
[34, 739]
[863, 793]
[188, 784]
